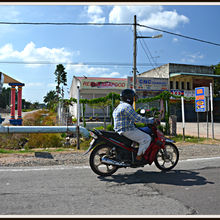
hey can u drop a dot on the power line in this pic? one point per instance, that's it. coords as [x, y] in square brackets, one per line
[74, 64]
[154, 63]
[62, 23]
[180, 35]
[108, 24]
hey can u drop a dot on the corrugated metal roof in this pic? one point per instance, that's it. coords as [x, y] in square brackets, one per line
[194, 74]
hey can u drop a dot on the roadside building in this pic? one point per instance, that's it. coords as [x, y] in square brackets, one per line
[95, 87]
[183, 79]
[179, 79]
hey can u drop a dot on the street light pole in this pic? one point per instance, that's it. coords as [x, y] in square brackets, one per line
[135, 54]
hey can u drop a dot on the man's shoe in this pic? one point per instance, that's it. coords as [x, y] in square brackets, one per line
[139, 157]
[140, 162]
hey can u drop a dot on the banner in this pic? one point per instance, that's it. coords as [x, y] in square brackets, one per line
[103, 83]
[149, 84]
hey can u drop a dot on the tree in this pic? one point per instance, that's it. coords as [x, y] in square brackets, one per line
[102, 104]
[50, 99]
[26, 104]
[61, 78]
[35, 105]
[5, 97]
[217, 80]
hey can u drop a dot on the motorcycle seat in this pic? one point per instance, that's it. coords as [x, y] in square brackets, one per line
[118, 137]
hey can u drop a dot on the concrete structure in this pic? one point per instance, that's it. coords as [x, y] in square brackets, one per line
[95, 87]
[15, 83]
[183, 79]
[179, 79]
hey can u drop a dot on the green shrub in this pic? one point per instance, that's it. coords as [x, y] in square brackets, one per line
[45, 140]
[84, 143]
[110, 127]
[140, 125]
[13, 141]
[99, 128]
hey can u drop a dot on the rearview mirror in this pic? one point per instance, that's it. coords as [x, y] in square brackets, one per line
[142, 111]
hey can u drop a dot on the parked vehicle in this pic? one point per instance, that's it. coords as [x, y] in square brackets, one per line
[111, 151]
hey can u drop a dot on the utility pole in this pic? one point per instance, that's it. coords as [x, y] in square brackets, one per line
[135, 54]
[134, 58]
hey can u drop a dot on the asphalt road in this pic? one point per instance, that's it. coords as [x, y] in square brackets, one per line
[192, 188]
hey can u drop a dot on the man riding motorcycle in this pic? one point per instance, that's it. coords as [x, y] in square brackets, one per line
[125, 116]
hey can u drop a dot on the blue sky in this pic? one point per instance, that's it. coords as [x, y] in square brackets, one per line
[90, 45]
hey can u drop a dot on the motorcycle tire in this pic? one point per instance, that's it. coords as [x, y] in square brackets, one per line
[166, 161]
[96, 164]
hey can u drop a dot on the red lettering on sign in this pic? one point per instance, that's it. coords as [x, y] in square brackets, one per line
[199, 91]
[200, 97]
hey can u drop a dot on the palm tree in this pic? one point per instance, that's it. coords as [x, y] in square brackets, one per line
[61, 78]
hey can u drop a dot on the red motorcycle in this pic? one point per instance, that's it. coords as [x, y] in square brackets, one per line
[111, 151]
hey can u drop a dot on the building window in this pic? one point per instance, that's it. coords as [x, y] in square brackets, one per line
[171, 84]
[182, 85]
[188, 85]
[177, 85]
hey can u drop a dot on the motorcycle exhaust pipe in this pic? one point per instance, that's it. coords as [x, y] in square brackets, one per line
[108, 161]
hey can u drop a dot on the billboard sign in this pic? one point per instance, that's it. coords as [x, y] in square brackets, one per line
[103, 83]
[149, 84]
[201, 94]
[185, 93]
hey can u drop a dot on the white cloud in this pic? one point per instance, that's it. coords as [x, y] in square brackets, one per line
[193, 58]
[82, 69]
[53, 85]
[94, 9]
[153, 16]
[111, 75]
[85, 70]
[32, 53]
[95, 14]
[34, 84]
[175, 39]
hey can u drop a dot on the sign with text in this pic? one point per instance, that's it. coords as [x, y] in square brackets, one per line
[201, 96]
[185, 93]
[103, 83]
[147, 83]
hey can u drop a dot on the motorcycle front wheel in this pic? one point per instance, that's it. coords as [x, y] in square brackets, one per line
[95, 160]
[167, 158]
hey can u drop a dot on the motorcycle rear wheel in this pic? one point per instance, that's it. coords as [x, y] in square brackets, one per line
[166, 159]
[96, 164]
